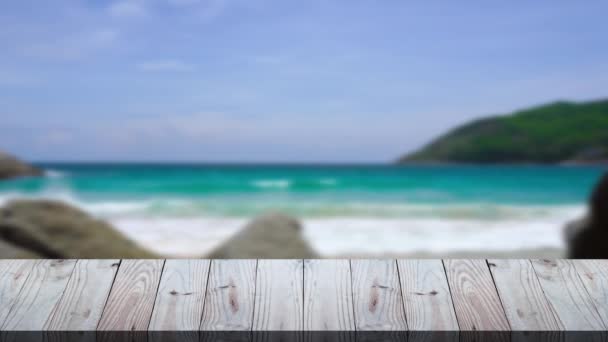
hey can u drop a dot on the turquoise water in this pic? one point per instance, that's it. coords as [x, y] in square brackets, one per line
[309, 190]
[349, 209]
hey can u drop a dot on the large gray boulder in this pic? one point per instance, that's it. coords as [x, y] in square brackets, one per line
[587, 237]
[52, 229]
[11, 167]
[270, 236]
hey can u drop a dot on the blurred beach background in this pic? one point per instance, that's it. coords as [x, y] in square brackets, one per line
[383, 128]
[186, 210]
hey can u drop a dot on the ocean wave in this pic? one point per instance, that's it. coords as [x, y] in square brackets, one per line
[303, 184]
[371, 236]
[272, 183]
[193, 226]
[249, 206]
[328, 181]
[55, 173]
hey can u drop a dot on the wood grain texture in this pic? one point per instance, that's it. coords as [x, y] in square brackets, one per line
[85, 296]
[132, 298]
[594, 274]
[294, 296]
[328, 298]
[378, 304]
[13, 274]
[40, 294]
[230, 295]
[181, 296]
[279, 295]
[522, 297]
[567, 295]
[476, 301]
[426, 294]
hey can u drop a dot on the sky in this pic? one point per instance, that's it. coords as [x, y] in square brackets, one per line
[281, 80]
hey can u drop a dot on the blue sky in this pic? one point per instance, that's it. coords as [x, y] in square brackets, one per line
[265, 80]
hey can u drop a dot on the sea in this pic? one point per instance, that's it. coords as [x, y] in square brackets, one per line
[186, 210]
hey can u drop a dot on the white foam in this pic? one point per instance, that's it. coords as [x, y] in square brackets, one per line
[338, 236]
[364, 236]
[272, 183]
[54, 173]
[328, 181]
[410, 228]
[180, 237]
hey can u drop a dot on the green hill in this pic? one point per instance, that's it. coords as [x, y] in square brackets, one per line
[557, 132]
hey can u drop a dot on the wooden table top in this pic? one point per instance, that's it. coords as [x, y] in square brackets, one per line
[304, 295]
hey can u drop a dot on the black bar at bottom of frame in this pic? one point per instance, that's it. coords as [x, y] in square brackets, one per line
[302, 336]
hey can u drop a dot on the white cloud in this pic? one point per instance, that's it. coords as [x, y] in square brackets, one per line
[127, 8]
[165, 66]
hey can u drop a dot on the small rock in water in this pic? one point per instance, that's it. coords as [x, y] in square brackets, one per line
[11, 167]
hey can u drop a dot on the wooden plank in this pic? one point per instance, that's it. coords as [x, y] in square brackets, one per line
[40, 294]
[594, 274]
[522, 297]
[378, 304]
[13, 274]
[328, 298]
[426, 294]
[230, 295]
[131, 300]
[567, 295]
[181, 296]
[85, 296]
[564, 288]
[279, 295]
[476, 301]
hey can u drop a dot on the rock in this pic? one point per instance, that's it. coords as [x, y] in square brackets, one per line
[274, 236]
[9, 251]
[11, 167]
[52, 229]
[587, 237]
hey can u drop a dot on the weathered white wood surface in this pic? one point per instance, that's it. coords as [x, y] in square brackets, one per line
[378, 303]
[427, 298]
[328, 298]
[39, 296]
[181, 296]
[476, 301]
[279, 295]
[85, 296]
[567, 295]
[522, 297]
[594, 274]
[230, 295]
[131, 301]
[303, 295]
[13, 274]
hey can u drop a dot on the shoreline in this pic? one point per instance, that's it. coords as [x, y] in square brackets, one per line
[347, 237]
